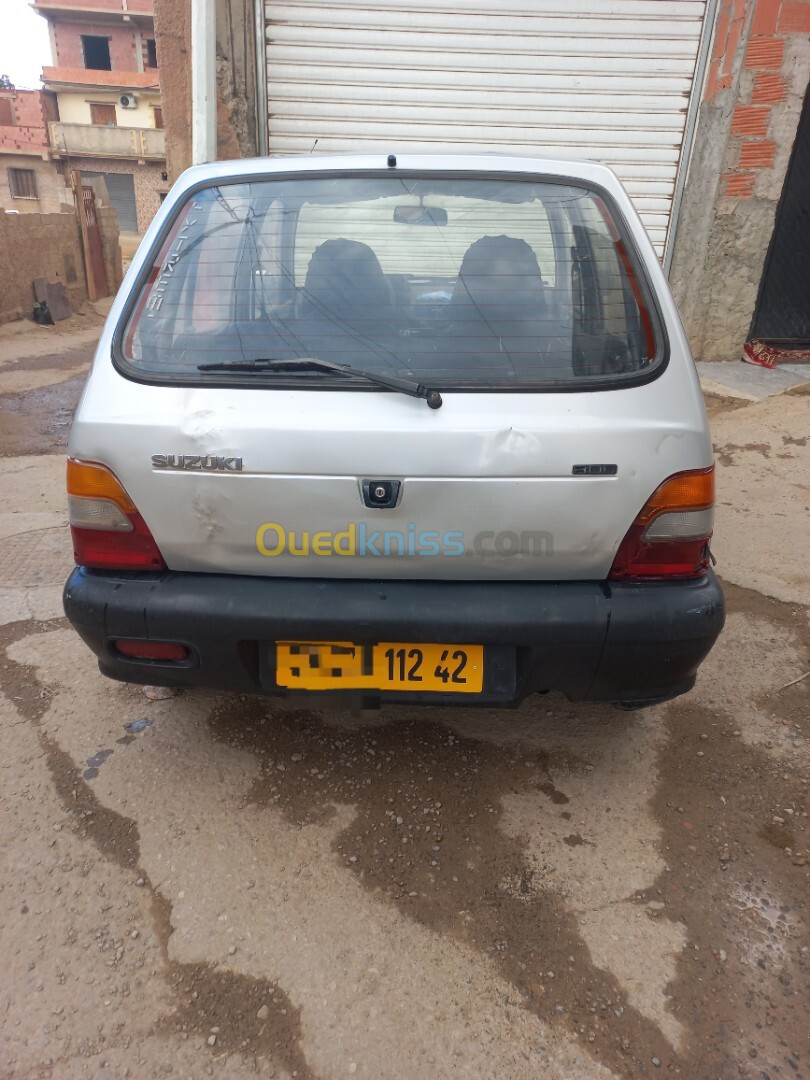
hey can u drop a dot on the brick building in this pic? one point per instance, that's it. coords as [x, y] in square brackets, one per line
[29, 182]
[742, 253]
[109, 119]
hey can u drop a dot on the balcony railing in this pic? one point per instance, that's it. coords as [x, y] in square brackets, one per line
[95, 140]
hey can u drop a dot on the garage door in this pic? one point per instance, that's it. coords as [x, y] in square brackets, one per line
[121, 189]
[605, 79]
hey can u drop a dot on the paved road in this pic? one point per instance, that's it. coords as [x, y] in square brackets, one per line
[213, 885]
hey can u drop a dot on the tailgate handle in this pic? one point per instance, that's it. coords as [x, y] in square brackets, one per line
[380, 494]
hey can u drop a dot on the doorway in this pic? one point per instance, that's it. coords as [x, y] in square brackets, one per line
[782, 314]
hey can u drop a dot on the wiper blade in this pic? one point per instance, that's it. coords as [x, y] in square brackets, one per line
[403, 386]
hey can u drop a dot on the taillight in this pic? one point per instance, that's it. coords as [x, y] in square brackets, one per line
[670, 537]
[108, 532]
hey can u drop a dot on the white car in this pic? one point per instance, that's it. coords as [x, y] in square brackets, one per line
[417, 428]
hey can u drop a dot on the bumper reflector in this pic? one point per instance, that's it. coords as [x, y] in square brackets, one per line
[152, 650]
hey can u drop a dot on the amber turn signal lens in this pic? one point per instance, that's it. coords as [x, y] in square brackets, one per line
[94, 481]
[685, 491]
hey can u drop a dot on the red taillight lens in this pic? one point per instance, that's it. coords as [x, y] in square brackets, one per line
[670, 537]
[152, 650]
[135, 550]
[108, 532]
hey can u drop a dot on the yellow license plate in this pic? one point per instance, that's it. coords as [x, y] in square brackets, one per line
[341, 665]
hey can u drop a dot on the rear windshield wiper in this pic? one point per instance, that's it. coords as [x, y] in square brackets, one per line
[403, 386]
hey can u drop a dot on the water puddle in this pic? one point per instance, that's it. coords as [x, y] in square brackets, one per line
[94, 763]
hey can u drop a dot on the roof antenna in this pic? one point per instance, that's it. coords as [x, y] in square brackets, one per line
[392, 161]
[314, 145]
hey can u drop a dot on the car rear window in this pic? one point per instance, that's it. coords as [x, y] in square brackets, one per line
[463, 282]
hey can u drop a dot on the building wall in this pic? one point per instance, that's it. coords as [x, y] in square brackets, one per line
[173, 34]
[74, 107]
[236, 81]
[67, 39]
[44, 245]
[110, 245]
[53, 196]
[747, 124]
[50, 246]
[148, 182]
[28, 133]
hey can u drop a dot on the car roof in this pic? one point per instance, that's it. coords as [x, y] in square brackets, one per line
[590, 172]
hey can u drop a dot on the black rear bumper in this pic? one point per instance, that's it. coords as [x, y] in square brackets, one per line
[590, 640]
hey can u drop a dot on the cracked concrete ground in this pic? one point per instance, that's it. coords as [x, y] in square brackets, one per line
[222, 886]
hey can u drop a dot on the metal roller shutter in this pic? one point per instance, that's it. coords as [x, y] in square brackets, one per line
[605, 79]
[121, 189]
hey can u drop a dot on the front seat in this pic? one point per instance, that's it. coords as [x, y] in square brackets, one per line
[499, 320]
[346, 290]
[499, 281]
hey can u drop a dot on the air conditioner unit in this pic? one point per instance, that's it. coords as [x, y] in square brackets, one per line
[128, 101]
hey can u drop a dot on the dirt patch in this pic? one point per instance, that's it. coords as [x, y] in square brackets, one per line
[27, 338]
[725, 454]
[575, 840]
[791, 704]
[777, 837]
[716, 404]
[236, 1014]
[74, 357]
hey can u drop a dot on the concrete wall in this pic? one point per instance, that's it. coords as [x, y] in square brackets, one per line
[44, 245]
[49, 246]
[236, 80]
[747, 124]
[173, 36]
[236, 84]
[51, 189]
[108, 223]
[98, 140]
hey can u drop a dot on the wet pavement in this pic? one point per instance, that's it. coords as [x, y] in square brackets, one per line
[228, 886]
[37, 401]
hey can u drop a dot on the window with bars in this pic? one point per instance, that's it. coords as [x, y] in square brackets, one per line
[22, 183]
